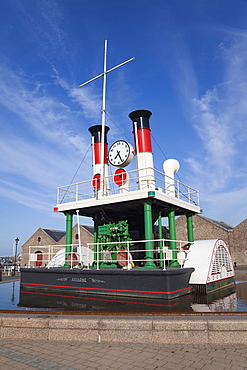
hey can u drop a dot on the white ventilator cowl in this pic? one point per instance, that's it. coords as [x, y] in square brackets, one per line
[170, 167]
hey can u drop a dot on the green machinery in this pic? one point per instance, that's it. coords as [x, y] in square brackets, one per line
[111, 239]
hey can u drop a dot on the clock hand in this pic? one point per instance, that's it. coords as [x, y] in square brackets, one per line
[118, 155]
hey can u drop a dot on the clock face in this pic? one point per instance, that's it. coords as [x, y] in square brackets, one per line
[120, 153]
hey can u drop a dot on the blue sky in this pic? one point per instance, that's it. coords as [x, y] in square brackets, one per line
[190, 71]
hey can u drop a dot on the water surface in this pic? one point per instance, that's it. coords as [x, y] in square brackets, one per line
[11, 298]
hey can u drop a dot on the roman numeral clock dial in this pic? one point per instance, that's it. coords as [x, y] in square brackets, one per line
[120, 153]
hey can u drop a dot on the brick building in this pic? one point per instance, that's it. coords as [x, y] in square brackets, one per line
[205, 228]
[39, 249]
[239, 243]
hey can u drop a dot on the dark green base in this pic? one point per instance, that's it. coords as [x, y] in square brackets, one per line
[213, 287]
[110, 265]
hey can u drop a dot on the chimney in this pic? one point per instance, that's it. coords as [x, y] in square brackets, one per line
[143, 148]
[100, 180]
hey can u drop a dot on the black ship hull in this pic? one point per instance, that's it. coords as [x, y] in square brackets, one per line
[143, 283]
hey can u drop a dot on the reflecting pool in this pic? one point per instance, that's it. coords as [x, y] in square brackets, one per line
[12, 298]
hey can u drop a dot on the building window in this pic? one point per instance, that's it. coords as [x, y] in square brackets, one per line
[76, 236]
[39, 239]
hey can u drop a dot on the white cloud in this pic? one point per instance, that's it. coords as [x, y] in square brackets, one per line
[48, 31]
[226, 206]
[182, 68]
[38, 111]
[218, 148]
[219, 117]
[26, 196]
[218, 163]
[36, 163]
[40, 146]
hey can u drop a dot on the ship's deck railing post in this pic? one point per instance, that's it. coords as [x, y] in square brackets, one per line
[164, 255]
[129, 263]
[97, 252]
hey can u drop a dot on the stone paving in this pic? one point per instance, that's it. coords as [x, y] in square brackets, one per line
[56, 355]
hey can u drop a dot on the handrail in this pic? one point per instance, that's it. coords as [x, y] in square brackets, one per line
[84, 190]
[130, 247]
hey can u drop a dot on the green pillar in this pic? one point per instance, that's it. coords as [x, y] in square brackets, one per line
[68, 248]
[190, 228]
[148, 230]
[172, 232]
[160, 242]
[95, 240]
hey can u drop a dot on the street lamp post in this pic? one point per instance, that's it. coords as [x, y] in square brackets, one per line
[16, 246]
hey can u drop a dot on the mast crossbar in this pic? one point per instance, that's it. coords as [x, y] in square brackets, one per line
[110, 70]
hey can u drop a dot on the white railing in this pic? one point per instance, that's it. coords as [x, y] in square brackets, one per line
[161, 249]
[127, 254]
[84, 190]
[40, 256]
[10, 270]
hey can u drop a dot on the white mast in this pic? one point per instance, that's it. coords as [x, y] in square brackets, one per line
[103, 121]
[103, 113]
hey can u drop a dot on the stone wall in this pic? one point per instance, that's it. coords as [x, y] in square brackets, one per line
[239, 244]
[86, 237]
[39, 239]
[204, 229]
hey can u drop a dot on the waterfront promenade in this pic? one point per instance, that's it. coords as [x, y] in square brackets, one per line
[46, 355]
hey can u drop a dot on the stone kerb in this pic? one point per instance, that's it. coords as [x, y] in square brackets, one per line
[189, 329]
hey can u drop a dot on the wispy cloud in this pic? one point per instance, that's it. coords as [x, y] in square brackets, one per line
[39, 111]
[218, 149]
[217, 162]
[229, 206]
[85, 97]
[26, 196]
[34, 161]
[219, 118]
[39, 141]
[54, 44]
[184, 74]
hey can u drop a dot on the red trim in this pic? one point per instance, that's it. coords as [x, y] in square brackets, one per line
[108, 290]
[215, 281]
[97, 153]
[217, 273]
[144, 140]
